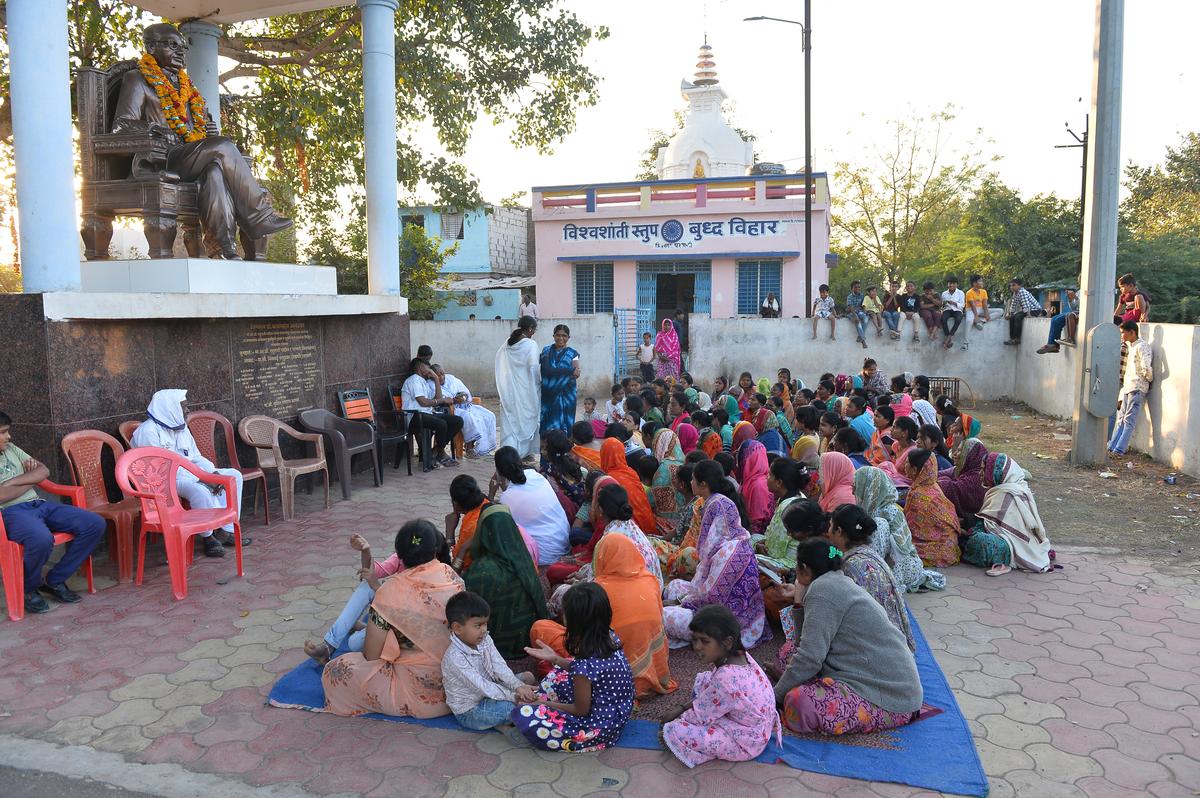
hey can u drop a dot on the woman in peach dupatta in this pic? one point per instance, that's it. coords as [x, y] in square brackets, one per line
[837, 481]
[399, 670]
[637, 616]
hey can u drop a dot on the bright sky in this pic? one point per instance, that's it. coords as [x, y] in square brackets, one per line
[1017, 70]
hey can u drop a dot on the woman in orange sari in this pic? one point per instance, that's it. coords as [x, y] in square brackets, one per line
[612, 462]
[399, 670]
[930, 515]
[636, 616]
[466, 502]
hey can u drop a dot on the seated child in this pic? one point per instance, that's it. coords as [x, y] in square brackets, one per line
[732, 716]
[584, 703]
[614, 408]
[589, 411]
[348, 630]
[481, 691]
[646, 467]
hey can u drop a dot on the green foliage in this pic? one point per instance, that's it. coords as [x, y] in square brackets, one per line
[10, 280]
[422, 258]
[294, 92]
[1166, 199]
[659, 138]
[893, 206]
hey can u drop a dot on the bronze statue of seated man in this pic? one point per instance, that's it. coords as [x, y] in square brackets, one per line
[158, 97]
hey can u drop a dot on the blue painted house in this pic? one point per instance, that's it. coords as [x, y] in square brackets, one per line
[494, 261]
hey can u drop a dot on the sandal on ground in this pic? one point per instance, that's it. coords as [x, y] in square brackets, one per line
[999, 569]
[449, 462]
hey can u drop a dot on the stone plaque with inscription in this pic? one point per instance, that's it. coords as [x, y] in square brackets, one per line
[277, 368]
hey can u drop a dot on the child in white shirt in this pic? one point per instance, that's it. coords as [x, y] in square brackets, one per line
[589, 411]
[480, 688]
[614, 408]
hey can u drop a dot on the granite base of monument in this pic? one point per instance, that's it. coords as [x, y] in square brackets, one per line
[85, 361]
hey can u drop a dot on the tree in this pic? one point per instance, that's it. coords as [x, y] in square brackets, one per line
[893, 207]
[422, 260]
[295, 87]
[1166, 199]
[659, 138]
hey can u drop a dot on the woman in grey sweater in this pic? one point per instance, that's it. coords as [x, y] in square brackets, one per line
[852, 670]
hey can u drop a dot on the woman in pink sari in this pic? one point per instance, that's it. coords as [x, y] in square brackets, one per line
[667, 352]
[399, 670]
[837, 481]
[752, 481]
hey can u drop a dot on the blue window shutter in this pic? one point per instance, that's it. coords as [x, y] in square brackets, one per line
[647, 290]
[585, 295]
[770, 280]
[747, 287]
[703, 300]
[604, 288]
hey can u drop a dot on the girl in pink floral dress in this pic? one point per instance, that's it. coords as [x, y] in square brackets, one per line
[732, 715]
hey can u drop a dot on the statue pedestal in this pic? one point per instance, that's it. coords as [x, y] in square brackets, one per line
[204, 276]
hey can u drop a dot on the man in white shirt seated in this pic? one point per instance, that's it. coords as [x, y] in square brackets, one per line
[953, 303]
[166, 428]
[425, 407]
[479, 423]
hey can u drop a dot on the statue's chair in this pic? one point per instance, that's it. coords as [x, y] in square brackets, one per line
[125, 174]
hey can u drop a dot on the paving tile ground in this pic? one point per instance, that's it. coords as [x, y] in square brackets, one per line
[1083, 682]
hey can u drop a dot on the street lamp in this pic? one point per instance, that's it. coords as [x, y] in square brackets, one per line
[806, 45]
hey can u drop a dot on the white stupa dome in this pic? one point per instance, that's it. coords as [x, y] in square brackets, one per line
[706, 146]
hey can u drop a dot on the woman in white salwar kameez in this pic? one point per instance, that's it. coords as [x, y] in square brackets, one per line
[479, 423]
[519, 383]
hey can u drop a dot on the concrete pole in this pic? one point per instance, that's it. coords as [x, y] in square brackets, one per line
[379, 123]
[1099, 275]
[202, 63]
[41, 121]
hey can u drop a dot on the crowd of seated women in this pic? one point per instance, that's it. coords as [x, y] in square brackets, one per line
[773, 512]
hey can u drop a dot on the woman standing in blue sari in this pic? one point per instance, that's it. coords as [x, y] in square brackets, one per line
[560, 369]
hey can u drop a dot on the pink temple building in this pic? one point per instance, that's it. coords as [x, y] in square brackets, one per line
[711, 236]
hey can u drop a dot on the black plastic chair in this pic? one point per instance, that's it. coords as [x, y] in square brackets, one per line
[425, 443]
[345, 439]
[389, 425]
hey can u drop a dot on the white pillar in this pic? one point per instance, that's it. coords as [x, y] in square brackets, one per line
[202, 63]
[41, 121]
[379, 123]
[1099, 274]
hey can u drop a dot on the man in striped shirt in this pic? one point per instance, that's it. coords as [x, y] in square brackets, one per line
[1020, 304]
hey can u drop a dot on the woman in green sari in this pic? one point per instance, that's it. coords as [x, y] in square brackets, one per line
[503, 572]
[666, 499]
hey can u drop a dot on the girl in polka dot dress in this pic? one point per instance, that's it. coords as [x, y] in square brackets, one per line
[583, 703]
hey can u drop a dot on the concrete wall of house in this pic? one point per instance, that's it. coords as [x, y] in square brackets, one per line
[472, 254]
[1168, 430]
[509, 241]
[504, 303]
[468, 349]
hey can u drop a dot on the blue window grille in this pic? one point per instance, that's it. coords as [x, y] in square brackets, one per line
[756, 279]
[593, 288]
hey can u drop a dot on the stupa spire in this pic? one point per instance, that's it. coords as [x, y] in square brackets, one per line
[706, 67]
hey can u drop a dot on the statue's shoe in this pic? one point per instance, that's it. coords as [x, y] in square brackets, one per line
[271, 224]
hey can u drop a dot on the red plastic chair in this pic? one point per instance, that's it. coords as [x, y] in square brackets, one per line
[203, 426]
[84, 450]
[149, 474]
[127, 428]
[12, 554]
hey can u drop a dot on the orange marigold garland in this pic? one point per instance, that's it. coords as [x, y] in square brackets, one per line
[176, 105]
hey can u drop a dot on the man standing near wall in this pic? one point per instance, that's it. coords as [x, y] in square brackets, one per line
[680, 323]
[528, 307]
[1139, 371]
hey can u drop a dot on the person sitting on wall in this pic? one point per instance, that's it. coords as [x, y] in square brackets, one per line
[423, 398]
[1057, 323]
[770, 306]
[166, 428]
[479, 423]
[28, 521]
